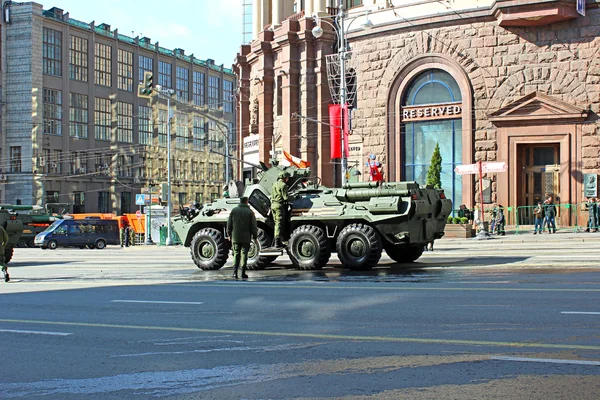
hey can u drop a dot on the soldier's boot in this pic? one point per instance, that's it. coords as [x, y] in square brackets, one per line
[5, 272]
[235, 274]
[244, 276]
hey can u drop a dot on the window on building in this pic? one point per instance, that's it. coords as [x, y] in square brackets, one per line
[52, 52]
[103, 162]
[182, 84]
[199, 198]
[102, 118]
[56, 162]
[182, 135]
[199, 134]
[15, 158]
[125, 203]
[78, 59]
[78, 115]
[78, 163]
[52, 196]
[45, 161]
[103, 65]
[213, 92]
[181, 198]
[198, 88]
[125, 70]
[433, 87]
[104, 202]
[146, 127]
[146, 65]
[165, 74]
[78, 202]
[215, 136]
[279, 96]
[162, 128]
[125, 122]
[352, 3]
[52, 112]
[228, 96]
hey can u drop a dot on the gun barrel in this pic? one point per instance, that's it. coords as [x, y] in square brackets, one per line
[353, 195]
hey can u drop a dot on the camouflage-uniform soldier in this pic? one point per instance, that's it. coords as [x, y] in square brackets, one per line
[131, 233]
[279, 203]
[3, 243]
[241, 228]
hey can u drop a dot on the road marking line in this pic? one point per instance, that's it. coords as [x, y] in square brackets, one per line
[36, 332]
[157, 302]
[547, 360]
[389, 339]
[322, 286]
[580, 312]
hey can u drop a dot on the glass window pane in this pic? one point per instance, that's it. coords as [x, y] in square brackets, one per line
[543, 155]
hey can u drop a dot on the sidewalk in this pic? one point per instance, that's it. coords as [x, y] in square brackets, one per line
[565, 235]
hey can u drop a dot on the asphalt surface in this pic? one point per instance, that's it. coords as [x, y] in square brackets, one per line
[511, 317]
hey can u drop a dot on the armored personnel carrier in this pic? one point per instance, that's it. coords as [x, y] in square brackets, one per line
[358, 222]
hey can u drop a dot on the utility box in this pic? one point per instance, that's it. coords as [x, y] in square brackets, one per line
[590, 185]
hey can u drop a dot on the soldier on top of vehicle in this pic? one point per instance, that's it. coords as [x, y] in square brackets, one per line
[279, 205]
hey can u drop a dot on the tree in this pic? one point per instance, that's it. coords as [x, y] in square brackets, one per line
[434, 173]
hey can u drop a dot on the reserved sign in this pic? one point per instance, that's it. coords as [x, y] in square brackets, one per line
[417, 113]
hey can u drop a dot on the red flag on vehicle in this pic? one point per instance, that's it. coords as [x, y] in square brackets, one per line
[295, 161]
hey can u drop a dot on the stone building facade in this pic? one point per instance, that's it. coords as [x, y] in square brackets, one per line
[75, 131]
[507, 81]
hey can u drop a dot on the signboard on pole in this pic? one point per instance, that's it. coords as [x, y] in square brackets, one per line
[140, 199]
[486, 167]
[581, 7]
[138, 214]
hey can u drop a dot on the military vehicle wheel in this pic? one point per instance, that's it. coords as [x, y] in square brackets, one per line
[308, 248]
[52, 245]
[255, 261]
[209, 249]
[100, 244]
[8, 253]
[359, 246]
[404, 254]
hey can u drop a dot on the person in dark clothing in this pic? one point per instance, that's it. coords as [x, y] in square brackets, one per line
[550, 213]
[241, 229]
[592, 207]
[500, 221]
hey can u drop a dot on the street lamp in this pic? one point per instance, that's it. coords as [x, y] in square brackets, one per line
[167, 93]
[340, 32]
[149, 241]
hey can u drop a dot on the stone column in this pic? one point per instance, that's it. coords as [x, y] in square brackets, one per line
[277, 13]
[308, 8]
[256, 18]
[320, 7]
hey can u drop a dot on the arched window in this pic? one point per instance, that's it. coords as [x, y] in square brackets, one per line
[431, 110]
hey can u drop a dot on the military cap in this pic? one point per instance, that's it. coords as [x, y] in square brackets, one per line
[244, 199]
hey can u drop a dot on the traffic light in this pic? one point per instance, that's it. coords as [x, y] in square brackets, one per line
[145, 89]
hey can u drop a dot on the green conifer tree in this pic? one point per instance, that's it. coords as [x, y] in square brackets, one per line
[434, 173]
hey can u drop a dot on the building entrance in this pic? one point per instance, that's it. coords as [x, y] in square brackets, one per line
[539, 177]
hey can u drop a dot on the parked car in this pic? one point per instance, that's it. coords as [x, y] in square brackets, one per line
[82, 233]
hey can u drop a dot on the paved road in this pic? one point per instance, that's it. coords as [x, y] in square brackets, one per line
[506, 318]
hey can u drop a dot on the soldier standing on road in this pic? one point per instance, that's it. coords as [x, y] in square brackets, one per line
[3, 243]
[131, 235]
[122, 233]
[279, 204]
[241, 228]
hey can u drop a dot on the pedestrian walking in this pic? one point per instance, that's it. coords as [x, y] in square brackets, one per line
[241, 229]
[279, 205]
[538, 214]
[3, 243]
[550, 215]
[500, 221]
[592, 206]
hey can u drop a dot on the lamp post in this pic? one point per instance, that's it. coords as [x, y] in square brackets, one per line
[167, 93]
[149, 237]
[340, 32]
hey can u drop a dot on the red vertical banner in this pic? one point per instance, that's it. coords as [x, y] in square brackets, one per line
[335, 122]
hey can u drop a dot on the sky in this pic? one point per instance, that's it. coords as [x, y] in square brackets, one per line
[205, 28]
